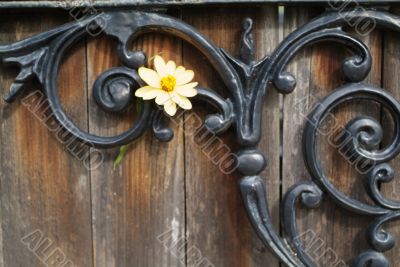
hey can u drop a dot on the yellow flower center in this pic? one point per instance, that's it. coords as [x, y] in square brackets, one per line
[168, 83]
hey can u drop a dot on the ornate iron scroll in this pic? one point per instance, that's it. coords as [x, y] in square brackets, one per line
[247, 81]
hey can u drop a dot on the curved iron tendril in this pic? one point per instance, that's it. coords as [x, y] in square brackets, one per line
[247, 81]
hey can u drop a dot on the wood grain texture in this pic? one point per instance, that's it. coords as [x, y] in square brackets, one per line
[341, 225]
[217, 224]
[391, 83]
[295, 107]
[267, 35]
[169, 204]
[136, 206]
[44, 188]
[329, 226]
[344, 174]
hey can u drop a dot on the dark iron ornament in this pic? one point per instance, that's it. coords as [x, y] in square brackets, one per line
[247, 81]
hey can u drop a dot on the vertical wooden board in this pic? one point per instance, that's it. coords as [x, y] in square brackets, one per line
[295, 107]
[267, 39]
[318, 74]
[138, 208]
[391, 83]
[348, 227]
[44, 188]
[217, 224]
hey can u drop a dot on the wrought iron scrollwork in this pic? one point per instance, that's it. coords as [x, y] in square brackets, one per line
[247, 81]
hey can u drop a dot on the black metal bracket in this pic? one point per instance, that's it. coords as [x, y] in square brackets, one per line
[248, 82]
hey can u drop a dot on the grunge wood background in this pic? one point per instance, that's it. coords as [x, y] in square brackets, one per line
[169, 204]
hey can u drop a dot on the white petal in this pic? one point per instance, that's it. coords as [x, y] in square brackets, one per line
[150, 77]
[162, 98]
[183, 76]
[180, 70]
[185, 91]
[148, 92]
[171, 67]
[182, 101]
[170, 107]
[159, 65]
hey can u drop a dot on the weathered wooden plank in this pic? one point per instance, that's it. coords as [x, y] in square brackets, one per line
[217, 224]
[343, 173]
[136, 206]
[329, 226]
[1, 216]
[267, 35]
[295, 106]
[391, 83]
[44, 188]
